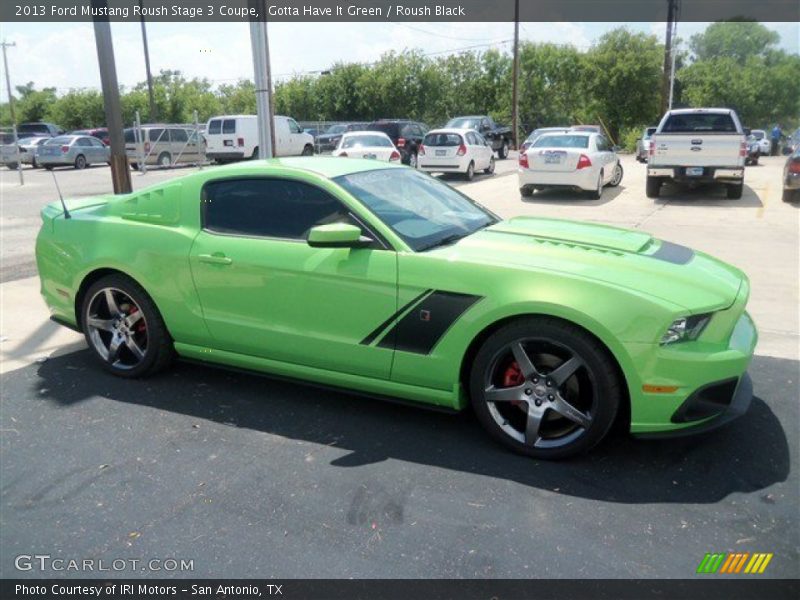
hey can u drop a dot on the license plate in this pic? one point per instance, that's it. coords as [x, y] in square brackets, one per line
[552, 159]
[441, 153]
[370, 156]
[694, 171]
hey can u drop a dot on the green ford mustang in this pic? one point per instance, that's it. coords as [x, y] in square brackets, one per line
[382, 280]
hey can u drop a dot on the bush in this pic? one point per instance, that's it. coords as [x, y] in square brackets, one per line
[629, 136]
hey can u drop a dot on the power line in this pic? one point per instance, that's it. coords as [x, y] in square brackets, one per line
[441, 35]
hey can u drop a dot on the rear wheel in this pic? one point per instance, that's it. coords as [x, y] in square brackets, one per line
[134, 166]
[164, 159]
[412, 160]
[12, 166]
[545, 388]
[80, 161]
[653, 187]
[490, 169]
[124, 329]
[734, 190]
[470, 174]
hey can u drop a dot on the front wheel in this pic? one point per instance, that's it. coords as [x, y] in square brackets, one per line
[308, 150]
[80, 162]
[124, 329]
[653, 187]
[503, 152]
[164, 160]
[545, 388]
[616, 178]
[490, 169]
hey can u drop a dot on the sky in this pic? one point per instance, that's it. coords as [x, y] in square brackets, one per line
[63, 55]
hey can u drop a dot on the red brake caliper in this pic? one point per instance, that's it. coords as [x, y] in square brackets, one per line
[513, 377]
[141, 326]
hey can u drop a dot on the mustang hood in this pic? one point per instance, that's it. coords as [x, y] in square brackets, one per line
[620, 257]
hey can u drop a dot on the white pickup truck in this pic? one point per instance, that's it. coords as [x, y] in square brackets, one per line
[698, 145]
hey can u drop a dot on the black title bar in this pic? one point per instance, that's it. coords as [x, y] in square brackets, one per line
[393, 10]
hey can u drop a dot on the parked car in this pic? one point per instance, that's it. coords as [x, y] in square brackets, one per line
[32, 129]
[79, 151]
[235, 137]
[405, 135]
[163, 145]
[499, 136]
[792, 142]
[321, 269]
[643, 144]
[101, 133]
[455, 151]
[28, 152]
[328, 141]
[576, 159]
[791, 177]
[537, 133]
[312, 131]
[698, 145]
[764, 145]
[367, 144]
[753, 151]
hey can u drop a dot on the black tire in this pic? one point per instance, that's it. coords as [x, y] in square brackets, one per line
[12, 166]
[502, 152]
[614, 181]
[48, 167]
[254, 155]
[35, 163]
[308, 150]
[165, 160]
[490, 169]
[653, 187]
[526, 191]
[790, 195]
[594, 389]
[134, 166]
[158, 349]
[80, 162]
[470, 174]
[734, 190]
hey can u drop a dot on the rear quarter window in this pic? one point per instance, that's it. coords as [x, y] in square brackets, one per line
[229, 126]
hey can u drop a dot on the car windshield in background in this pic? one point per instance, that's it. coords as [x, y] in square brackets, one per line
[366, 141]
[423, 211]
[648, 133]
[699, 122]
[130, 136]
[336, 129]
[758, 134]
[64, 139]
[389, 129]
[562, 141]
[442, 139]
[463, 123]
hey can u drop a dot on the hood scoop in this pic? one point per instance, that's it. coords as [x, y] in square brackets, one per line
[572, 233]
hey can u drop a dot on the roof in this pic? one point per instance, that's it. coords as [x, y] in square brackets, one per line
[326, 166]
[450, 130]
[689, 111]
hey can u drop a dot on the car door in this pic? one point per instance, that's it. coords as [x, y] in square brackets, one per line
[83, 146]
[100, 152]
[484, 149]
[296, 137]
[265, 292]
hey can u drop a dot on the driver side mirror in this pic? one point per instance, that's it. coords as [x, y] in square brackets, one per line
[337, 235]
[616, 148]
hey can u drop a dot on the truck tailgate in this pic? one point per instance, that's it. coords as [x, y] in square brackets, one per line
[701, 150]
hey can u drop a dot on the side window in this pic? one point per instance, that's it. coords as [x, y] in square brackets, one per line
[481, 139]
[84, 142]
[214, 126]
[229, 126]
[406, 132]
[276, 208]
[178, 135]
[485, 125]
[97, 143]
[471, 139]
[293, 126]
[602, 144]
[158, 135]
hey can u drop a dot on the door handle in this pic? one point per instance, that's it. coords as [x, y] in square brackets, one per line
[214, 259]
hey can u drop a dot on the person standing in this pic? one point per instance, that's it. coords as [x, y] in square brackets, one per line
[777, 134]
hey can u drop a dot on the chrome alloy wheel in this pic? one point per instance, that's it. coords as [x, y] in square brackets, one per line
[540, 393]
[117, 328]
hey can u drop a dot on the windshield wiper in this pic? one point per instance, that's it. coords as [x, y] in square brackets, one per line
[446, 240]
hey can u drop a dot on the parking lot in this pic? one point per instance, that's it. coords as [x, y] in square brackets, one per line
[244, 474]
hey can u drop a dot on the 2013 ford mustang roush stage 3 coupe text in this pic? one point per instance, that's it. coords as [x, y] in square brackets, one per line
[383, 280]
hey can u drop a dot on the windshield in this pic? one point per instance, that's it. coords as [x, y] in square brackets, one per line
[366, 141]
[463, 123]
[336, 129]
[442, 139]
[562, 141]
[422, 210]
[758, 134]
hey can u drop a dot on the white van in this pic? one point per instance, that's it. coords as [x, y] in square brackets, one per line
[235, 137]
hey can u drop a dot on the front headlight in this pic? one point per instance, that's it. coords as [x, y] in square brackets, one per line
[685, 329]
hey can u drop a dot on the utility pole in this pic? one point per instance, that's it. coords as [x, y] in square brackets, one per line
[147, 68]
[515, 82]
[5, 45]
[120, 173]
[262, 79]
[672, 10]
[672, 68]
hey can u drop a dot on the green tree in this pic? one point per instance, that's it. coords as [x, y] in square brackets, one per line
[738, 40]
[238, 99]
[78, 109]
[32, 104]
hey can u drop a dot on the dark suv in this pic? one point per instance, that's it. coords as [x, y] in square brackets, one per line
[406, 135]
[34, 129]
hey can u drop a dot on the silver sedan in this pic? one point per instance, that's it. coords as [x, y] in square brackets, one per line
[79, 151]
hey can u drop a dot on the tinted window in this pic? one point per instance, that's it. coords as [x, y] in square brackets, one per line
[33, 128]
[463, 123]
[442, 139]
[275, 208]
[293, 126]
[83, 142]
[485, 124]
[178, 135]
[229, 126]
[214, 126]
[562, 141]
[97, 143]
[130, 136]
[602, 144]
[158, 135]
[700, 122]
[389, 129]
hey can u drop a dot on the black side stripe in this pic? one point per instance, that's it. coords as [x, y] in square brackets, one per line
[673, 253]
[371, 337]
[422, 327]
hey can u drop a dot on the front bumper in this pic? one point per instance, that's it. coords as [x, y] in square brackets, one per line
[710, 174]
